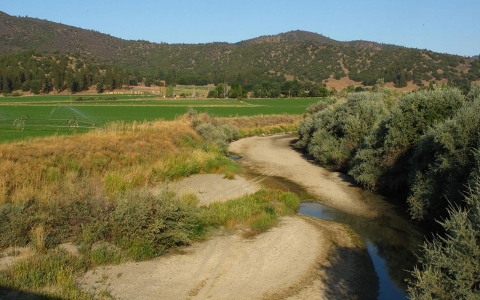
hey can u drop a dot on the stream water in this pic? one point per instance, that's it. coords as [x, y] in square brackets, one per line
[391, 240]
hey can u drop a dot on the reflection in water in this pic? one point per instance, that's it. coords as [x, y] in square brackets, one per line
[390, 241]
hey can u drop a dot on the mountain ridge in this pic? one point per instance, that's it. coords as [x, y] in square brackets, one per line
[302, 55]
[37, 26]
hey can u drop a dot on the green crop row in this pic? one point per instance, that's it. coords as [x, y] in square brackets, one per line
[55, 115]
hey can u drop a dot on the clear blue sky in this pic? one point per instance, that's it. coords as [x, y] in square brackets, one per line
[444, 26]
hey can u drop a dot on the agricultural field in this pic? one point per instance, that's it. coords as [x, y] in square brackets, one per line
[28, 117]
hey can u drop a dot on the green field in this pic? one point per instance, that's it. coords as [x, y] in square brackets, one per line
[26, 117]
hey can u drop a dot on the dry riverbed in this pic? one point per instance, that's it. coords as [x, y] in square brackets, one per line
[302, 258]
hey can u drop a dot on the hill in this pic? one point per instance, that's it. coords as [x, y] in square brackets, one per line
[289, 37]
[306, 56]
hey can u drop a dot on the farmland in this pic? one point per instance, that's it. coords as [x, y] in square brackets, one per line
[62, 114]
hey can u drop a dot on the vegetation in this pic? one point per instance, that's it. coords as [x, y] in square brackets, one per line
[333, 135]
[384, 160]
[35, 72]
[450, 264]
[423, 145]
[97, 190]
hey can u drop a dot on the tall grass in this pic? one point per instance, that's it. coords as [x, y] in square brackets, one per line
[95, 189]
[119, 157]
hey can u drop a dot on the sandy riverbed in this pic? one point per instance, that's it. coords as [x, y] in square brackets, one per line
[302, 258]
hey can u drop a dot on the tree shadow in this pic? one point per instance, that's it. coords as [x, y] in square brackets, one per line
[349, 274]
[10, 294]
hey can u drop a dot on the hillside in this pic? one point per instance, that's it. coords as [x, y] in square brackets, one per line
[306, 56]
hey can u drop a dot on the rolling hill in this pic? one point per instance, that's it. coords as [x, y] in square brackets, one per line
[302, 55]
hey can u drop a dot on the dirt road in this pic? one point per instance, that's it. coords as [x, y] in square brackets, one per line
[302, 258]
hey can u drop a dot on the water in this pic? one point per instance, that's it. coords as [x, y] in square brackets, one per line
[79, 113]
[390, 241]
[68, 112]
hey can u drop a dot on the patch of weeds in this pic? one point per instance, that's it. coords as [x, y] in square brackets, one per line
[141, 249]
[54, 272]
[231, 169]
[105, 294]
[259, 211]
[106, 255]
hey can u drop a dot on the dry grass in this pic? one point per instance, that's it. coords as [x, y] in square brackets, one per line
[121, 155]
[255, 125]
[117, 158]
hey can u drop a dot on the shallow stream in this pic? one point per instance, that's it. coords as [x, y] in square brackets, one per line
[390, 246]
[391, 240]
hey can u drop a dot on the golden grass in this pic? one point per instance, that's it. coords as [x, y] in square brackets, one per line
[119, 157]
[45, 167]
[255, 125]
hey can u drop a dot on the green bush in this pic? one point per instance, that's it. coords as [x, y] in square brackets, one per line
[450, 264]
[220, 134]
[147, 225]
[333, 135]
[443, 163]
[383, 160]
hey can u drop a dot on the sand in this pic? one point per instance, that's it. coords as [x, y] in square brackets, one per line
[302, 258]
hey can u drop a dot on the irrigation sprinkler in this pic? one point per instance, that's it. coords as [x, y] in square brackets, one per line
[25, 123]
[19, 124]
[72, 123]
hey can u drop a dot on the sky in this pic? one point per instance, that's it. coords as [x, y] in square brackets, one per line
[443, 26]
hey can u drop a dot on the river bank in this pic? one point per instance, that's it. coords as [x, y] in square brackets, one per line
[302, 258]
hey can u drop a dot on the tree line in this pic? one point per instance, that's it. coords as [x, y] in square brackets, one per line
[45, 72]
[424, 145]
[36, 72]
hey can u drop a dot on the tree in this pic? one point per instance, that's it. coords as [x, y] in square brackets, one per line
[236, 91]
[220, 90]
[169, 91]
[99, 88]
[293, 88]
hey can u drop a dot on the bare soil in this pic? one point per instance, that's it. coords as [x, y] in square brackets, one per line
[215, 187]
[302, 258]
[275, 156]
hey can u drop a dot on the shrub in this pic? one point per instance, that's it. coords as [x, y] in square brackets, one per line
[450, 264]
[148, 225]
[220, 134]
[443, 162]
[333, 135]
[383, 160]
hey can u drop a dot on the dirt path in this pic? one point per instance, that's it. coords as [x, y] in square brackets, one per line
[302, 258]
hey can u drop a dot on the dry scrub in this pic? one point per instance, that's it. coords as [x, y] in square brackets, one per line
[95, 189]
